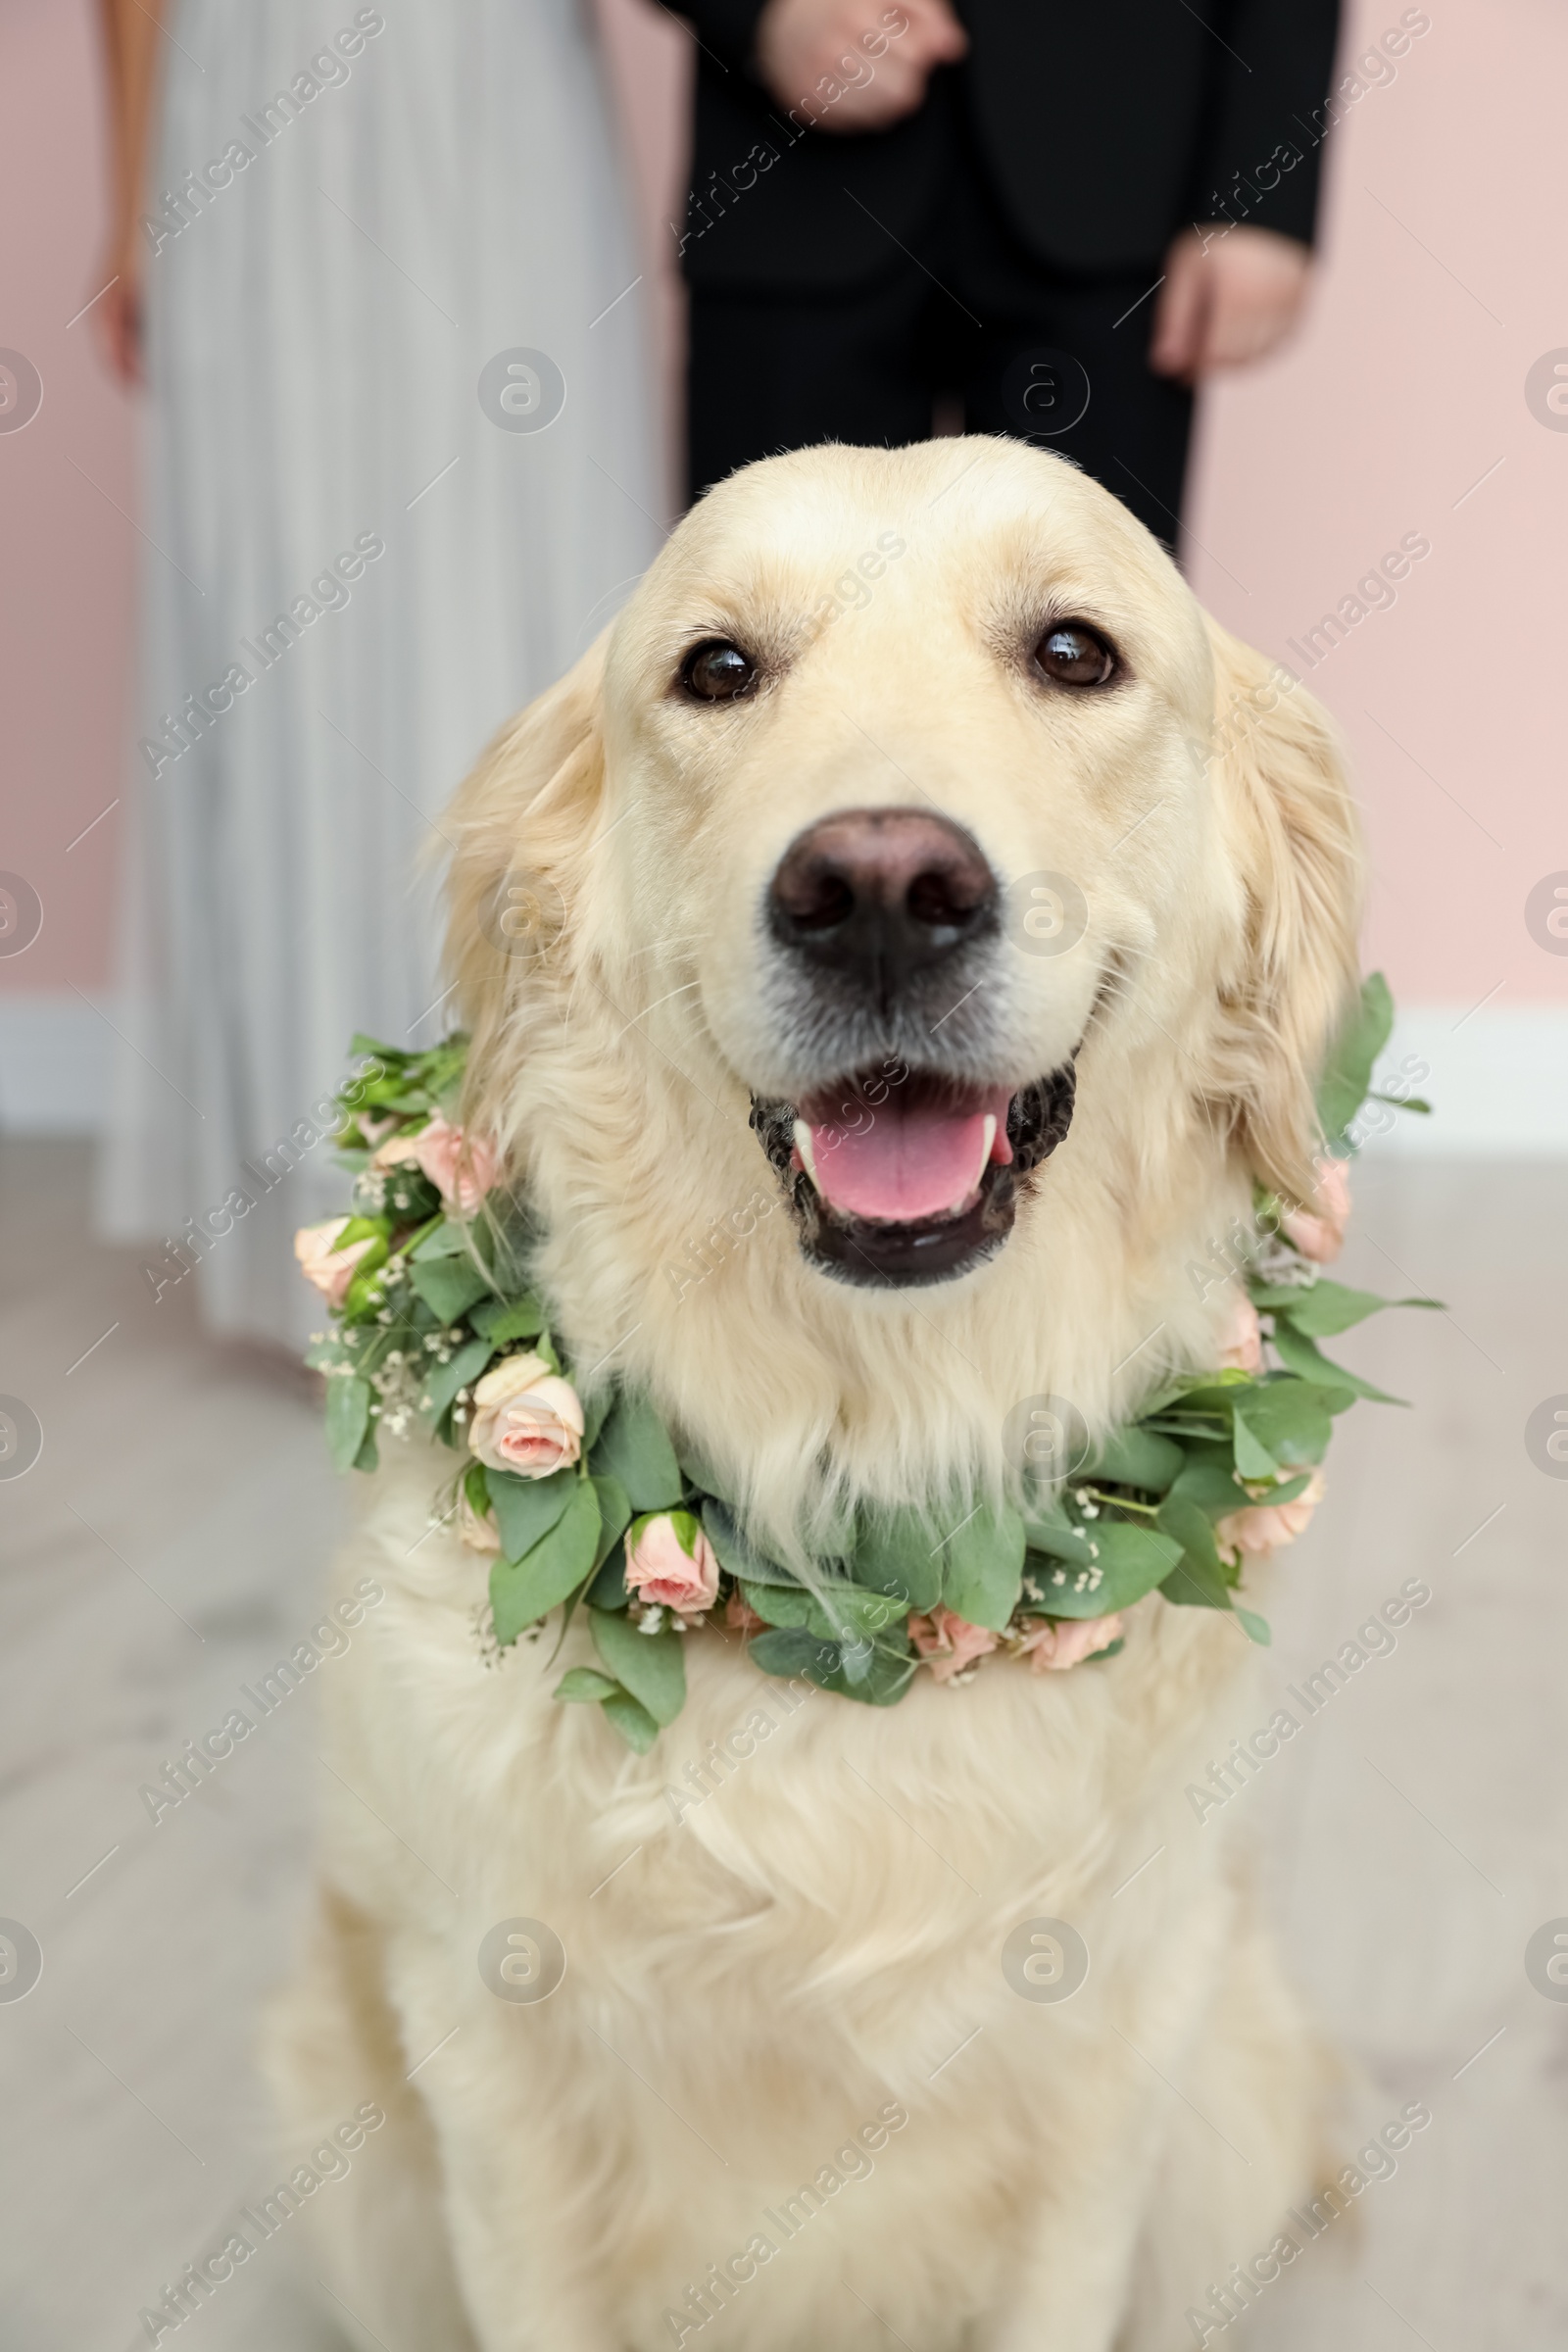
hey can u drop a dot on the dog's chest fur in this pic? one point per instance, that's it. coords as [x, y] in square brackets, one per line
[764, 1951]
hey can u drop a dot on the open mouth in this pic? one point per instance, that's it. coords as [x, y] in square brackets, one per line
[910, 1176]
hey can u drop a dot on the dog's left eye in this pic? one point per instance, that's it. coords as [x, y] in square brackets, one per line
[1075, 655]
[717, 672]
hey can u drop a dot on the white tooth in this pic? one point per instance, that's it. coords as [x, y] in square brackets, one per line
[802, 1145]
[990, 1137]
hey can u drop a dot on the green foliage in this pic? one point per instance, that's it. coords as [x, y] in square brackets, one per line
[348, 1417]
[526, 1508]
[521, 1592]
[651, 1666]
[982, 1566]
[1347, 1073]
[635, 1448]
[450, 1286]
[1139, 1515]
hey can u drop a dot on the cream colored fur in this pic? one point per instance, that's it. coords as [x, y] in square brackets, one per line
[823, 1933]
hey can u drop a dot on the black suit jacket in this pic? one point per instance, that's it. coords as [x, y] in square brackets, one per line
[1104, 125]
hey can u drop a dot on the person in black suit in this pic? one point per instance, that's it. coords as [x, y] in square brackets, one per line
[1066, 217]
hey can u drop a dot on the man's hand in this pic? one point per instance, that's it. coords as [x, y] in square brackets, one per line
[1227, 299]
[855, 65]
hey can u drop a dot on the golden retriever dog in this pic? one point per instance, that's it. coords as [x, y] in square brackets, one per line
[924, 760]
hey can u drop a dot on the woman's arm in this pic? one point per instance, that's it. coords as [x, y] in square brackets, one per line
[131, 33]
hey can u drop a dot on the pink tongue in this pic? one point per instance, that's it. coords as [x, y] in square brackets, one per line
[910, 1161]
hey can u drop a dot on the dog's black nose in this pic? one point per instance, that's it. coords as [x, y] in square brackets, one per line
[885, 892]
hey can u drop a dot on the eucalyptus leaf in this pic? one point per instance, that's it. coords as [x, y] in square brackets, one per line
[1253, 1459]
[1133, 1457]
[1255, 1628]
[503, 1320]
[609, 1590]
[526, 1508]
[651, 1666]
[843, 1613]
[701, 1474]
[982, 1566]
[1290, 1419]
[521, 1592]
[736, 1555]
[450, 1286]
[1347, 1074]
[1054, 1532]
[1198, 1579]
[1321, 1308]
[615, 1516]
[585, 1683]
[789, 1652]
[1210, 1481]
[443, 1380]
[445, 1240]
[897, 1552]
[635, 1448]
[348, 1417]
[632, 1720]
[1340, 1388]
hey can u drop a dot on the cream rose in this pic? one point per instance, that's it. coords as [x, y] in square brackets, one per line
[321, 1261]
[461, 1168]
[949, 1644]
[1052, 1648]
[1241, 1342]
[1256, 1531]
[1319, 1229]
[669, 1562]
[525, 1418]
[477, 1529]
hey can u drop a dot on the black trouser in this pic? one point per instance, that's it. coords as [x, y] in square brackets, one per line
[968, 314]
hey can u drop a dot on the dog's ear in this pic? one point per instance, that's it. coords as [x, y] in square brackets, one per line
[520, 827]
[1290, 822]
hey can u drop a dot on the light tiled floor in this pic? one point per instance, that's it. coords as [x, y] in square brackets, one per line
[168, 1544]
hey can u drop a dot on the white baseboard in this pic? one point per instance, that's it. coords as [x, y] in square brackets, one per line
[1497, 1079]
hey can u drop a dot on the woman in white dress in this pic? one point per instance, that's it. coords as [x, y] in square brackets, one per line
[402, 469]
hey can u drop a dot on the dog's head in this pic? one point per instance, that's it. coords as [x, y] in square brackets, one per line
[911, 793]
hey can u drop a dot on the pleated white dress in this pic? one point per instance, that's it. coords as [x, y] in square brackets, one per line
[446, 196]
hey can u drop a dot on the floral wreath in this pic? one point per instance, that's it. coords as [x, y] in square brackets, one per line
[595, 1507]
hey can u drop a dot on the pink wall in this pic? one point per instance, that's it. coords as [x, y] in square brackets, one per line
[1445, 279]
[69, 555]
[1443, 283]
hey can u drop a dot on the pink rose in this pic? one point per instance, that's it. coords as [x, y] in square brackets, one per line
[320, 1260]
[1318, 1230]
[525, 1418]
[463, 1169]
[1053, 1649]
[1256, 1531]
[670, 1563]
[1241, 1342]
[949, 1644]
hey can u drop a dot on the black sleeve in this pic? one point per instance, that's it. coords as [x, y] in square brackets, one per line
[1262, 148]
[726, 29]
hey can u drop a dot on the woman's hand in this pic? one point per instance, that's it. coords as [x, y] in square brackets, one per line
[131, 31]
[1229, 298]
[117, 315]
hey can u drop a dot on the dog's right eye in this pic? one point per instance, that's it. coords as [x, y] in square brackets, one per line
[717, 672]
